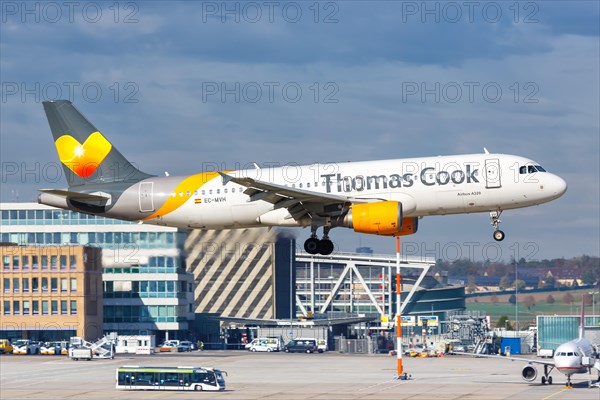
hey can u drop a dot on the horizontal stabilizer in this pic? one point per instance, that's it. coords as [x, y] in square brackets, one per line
[97, 198]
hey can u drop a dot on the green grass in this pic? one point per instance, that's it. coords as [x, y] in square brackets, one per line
[527, 316]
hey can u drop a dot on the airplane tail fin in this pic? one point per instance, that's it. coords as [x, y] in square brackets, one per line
[86, 155]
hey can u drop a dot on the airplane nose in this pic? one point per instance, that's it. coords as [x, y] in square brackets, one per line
[558, 186]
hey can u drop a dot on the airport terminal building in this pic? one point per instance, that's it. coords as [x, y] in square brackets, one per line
[174, 283]
[145, 287]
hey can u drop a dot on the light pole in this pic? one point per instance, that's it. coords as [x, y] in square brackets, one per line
[516, 298]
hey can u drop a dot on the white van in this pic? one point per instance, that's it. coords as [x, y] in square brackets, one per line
[271, 343]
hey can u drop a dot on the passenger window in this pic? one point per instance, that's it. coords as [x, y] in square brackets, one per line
[195, 193]
[300, 185]
[232, 190]
[308, 185]
[180, 194]
[218, 191]
[225, 190]
[203, 192]
[187, 193]
[210, 191]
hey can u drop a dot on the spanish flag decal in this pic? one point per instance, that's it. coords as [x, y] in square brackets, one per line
[197, 201]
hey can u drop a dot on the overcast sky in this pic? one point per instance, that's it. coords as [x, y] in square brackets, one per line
[182, 86]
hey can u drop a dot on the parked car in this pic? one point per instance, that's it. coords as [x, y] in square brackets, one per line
[5, 346]
[322, 345]
[301, 346]
[186, 346]
[261, 346]
[26, 346]
[171, 345]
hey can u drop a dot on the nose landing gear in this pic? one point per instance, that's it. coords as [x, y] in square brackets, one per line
[495, 221]
[313, 245]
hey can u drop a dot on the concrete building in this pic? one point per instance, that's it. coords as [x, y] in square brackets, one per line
[51, 292]
[146, 287]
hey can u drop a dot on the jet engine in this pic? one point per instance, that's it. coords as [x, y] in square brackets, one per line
[379, 218]
[529, 373]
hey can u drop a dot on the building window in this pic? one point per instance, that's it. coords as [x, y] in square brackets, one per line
[16, 285]
[34, 262]
[25, 285]
[44, 262]
[44, 307]
[35, 284]
[63, 307]
[73, 284]
[26, 262]
[53, 261]
[6, 285]
[54, 305]
[73, 262]
[25, 307]
[63, 262]
[73, 307]
[35, 310]
[16, 307]
[44, 284]
[15, 262]
[54, 284]
[63, 284]
[6, 262]
[6, 306]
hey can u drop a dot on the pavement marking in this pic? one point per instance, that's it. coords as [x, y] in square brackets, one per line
[554, 394]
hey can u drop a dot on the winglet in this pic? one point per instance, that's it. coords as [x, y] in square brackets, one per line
[486, 151]
[226, 178]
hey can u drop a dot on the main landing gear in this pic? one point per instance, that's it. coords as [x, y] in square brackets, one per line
[546, 378]
[313, 245]
[495, 221]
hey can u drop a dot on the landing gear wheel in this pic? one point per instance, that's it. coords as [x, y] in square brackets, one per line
[311, 245]
[498, 235]
[325, 247]
[543, 380]
[549, 380]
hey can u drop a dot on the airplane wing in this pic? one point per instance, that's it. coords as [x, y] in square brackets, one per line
[527, 360]
[284, 192]
[299, 202]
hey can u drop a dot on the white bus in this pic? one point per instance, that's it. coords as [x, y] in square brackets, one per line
[170, 378]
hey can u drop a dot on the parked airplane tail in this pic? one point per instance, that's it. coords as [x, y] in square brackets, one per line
[86, 155]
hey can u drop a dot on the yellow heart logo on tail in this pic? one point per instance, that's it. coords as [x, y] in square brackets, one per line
[83, 159]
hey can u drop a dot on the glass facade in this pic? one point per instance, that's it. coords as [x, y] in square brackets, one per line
[129, 250]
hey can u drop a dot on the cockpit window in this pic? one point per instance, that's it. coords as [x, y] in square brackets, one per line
[530, 169]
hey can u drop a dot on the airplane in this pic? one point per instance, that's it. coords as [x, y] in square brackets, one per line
[384, 197]
[577, 356]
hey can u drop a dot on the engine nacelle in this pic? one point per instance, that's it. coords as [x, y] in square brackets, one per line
[379, 218]
[529, 373]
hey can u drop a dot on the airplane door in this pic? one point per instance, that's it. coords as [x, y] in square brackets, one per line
[146, 199]
[492, 173]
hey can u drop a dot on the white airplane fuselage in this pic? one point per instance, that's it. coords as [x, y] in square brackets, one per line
[425, 186]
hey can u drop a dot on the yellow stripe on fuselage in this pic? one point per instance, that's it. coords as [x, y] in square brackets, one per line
[189, 184]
